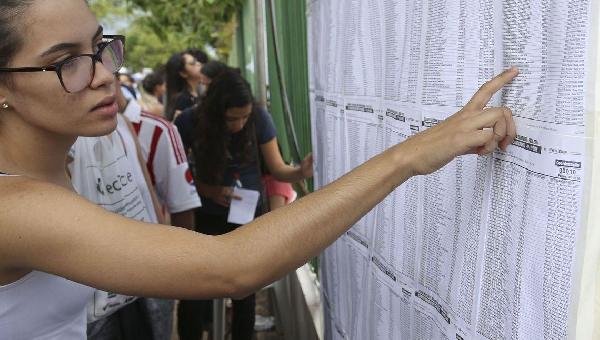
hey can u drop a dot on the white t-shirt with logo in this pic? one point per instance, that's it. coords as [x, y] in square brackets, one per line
[106, 170]
[165, 159]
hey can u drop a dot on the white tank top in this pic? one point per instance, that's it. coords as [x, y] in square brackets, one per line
[41, 306]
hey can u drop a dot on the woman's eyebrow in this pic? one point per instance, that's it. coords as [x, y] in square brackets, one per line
[69, 46]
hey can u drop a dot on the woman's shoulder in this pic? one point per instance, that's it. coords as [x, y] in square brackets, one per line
[183, 94]
[184, 100]
[17, 184]
[22, 192]
[265, 128]
[261, 112]
[26, 207]
[25, 200]
[38, 218]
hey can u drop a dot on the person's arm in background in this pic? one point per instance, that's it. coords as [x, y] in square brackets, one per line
[219, 194]
[155, 201]
[122, 104]
[282, 171]
[266, 137]
[171, 172]
[174, 182]
[279, 193]
[276, 201]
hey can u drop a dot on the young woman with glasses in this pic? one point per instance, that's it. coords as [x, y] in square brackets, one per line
[57, 83]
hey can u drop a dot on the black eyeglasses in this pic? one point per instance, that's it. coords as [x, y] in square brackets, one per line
[77, 72]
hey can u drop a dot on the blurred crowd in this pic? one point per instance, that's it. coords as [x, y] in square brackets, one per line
[194, 135]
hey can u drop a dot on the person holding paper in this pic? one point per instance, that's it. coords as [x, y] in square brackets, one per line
[231, 133]
[57, 83]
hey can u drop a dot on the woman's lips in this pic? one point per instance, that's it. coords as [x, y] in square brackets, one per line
[107, 106]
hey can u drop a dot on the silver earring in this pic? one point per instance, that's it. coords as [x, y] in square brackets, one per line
[4, 106]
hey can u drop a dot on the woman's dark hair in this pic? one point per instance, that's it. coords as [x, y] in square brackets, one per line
[213, 68]
[198, 54]
[151, 81]
[11, 39]
[211, 149]
[175, 82]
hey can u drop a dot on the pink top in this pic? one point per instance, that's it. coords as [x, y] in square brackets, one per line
[274, 187]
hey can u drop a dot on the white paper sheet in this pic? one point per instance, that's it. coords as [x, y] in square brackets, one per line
[533, 225]
[486, 247]
[241, 211]
[364, 139]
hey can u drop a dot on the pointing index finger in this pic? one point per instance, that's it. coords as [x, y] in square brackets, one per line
[487, 90]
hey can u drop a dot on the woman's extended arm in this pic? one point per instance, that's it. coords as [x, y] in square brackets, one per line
[75, 239]
[279, 169]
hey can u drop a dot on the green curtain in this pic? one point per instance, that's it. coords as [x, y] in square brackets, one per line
[290, 22]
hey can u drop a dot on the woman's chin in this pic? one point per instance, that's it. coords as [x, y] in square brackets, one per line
[101, 129]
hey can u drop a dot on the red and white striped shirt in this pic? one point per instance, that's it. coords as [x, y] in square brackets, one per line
[165, 158]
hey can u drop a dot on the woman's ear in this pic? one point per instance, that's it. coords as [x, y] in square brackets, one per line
[3, 103]
[183, 74]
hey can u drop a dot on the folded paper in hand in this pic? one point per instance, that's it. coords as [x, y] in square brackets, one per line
[241, 211]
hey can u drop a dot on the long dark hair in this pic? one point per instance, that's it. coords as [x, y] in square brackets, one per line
[213, 68]
[198, 54]
[176, 84]
[211, 150]
[11, 12]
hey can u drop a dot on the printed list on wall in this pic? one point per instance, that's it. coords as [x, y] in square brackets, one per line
[484, 248]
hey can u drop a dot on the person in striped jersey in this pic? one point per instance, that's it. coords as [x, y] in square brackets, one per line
[171, 176]
[166, 162]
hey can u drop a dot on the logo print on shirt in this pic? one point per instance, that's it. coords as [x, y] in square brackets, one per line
[188, 176]
[118, 183]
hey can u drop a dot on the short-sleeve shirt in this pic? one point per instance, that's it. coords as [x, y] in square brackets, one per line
[247, 172]
[98, 166]
[165, 159]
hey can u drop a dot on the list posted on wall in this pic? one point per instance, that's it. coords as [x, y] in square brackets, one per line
[488, 247]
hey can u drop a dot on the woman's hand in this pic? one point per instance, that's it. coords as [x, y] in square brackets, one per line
[222, 195]
[306, 166]
[282, 171]
[472, 130]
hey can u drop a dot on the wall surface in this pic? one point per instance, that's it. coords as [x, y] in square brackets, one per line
[494, 247]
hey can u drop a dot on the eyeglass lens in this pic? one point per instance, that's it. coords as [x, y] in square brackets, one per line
[77, 74]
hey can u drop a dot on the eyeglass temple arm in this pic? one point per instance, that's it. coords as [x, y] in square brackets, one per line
[28, 69]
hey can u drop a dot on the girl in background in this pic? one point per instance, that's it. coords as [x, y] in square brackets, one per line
[230, 132]
[183, 79]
